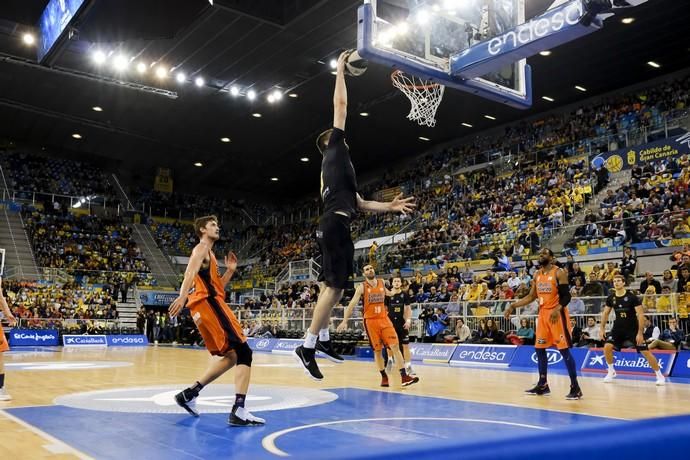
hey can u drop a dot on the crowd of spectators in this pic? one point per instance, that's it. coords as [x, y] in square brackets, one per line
[27, 173]
[68, 307]
[86, 245]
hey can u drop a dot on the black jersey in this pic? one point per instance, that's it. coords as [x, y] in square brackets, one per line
[396, 309]
[338, 180]
[624, 306]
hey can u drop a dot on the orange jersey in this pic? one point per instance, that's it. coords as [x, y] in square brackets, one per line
[375, 300]
[547, 289]
[207, 283]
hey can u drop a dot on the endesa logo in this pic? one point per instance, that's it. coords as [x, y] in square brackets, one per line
[552, 357]
[549, 23]
[127, 340]
[483, 355]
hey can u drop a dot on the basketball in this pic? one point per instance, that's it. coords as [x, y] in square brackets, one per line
[355, 66]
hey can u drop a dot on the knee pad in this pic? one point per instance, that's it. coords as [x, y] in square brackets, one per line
[244, 354]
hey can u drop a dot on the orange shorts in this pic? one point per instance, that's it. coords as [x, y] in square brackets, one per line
[217, 324]
[4, 346]
[381, 332]
[556, 334]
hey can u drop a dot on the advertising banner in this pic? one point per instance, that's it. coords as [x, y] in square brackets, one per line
[285, 346]
[526, 357]
[431, 352]
[157, 298]
[127, 340]
[682, 367]
[640, 155]
[628, 361]
[84, 341]
[30, 337]
[483, 355]
[259, 344]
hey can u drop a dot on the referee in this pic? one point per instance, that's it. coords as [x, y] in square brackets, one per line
[340, 204]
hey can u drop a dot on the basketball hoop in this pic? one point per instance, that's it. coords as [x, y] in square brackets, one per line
[424, 95]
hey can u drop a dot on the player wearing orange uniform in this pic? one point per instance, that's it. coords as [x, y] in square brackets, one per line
[203, 290]
[550, 286]
[4, 346]
[379, 327]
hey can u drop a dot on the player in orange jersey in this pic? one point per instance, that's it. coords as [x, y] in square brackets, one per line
[379, 327]
[203, 290]
[4, 346]
[550, 286]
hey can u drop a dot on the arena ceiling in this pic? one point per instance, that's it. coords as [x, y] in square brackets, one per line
[263, 44]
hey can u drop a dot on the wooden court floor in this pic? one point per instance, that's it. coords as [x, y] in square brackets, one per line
[35, 378]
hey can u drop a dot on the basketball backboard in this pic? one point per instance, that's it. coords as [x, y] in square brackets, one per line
[421, 36]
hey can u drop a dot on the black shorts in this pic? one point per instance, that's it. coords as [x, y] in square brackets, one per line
[337, 251]
[625, 339]
[403, 334]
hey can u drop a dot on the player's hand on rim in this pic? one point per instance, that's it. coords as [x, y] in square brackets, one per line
[403, 205]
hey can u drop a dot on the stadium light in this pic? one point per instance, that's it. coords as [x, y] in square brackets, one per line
[181, 77]
[99, 57]
[581, 88]
[466, 125]
[547, 98]
[28, 39]
[161, 72]
[545, 53]
[251, 94]
[199, 81]
[654, 64]
[234, 91]
[120, 63]
[141, 68]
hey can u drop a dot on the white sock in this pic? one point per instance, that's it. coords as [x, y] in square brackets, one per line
[611, 369]
[310, 340]
[408, 364]
[659, 374]
[324, 335]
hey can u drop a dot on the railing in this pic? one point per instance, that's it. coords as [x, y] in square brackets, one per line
[93, 276]
[78, 326]
[657, 308]
[86, 202]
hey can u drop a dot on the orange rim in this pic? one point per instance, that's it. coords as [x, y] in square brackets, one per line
[417, 87]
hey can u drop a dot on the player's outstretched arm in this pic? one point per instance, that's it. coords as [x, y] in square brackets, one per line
[195, 260]
[350, 308]
[340, 94]
[399, 204]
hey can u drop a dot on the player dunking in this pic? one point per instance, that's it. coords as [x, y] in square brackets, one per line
[4, 346]
[400, 314]
[627, 327]
[550, 286]
[340, 203]
[379, 327]
[203, 289]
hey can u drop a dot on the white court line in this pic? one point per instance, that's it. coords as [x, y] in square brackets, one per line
[268, 442]
[56, 446]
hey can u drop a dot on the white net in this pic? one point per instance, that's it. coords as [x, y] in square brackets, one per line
[424, 95]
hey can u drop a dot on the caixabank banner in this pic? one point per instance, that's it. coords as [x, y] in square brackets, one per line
[682, 367]
[628, 361]
[433, 352]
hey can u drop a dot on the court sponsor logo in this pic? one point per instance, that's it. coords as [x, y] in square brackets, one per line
[127, 340]
[213, 399]
[629, 362]
[490, 355]
[286, 345]
[422, 351]
[84, 340]
[21, 337]
[552, 357]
